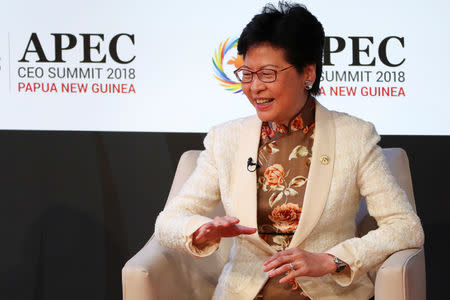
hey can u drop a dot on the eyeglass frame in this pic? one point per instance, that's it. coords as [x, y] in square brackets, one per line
[256, 72]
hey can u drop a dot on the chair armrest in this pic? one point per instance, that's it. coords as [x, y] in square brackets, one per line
[156, 272]
[402, 276]
[136, 281]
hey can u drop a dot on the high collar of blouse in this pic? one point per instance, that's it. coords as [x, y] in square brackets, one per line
[301, 121]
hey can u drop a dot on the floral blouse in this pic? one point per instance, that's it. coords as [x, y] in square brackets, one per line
[284, 157]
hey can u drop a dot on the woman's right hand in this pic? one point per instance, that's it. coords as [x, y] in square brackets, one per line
[218, 228]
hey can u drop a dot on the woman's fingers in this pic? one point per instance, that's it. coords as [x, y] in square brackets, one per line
[278, 259]
[236, 230]
[275, 256]
[281, 270]
[282, 260]
[219, 227]
[245, 229]
[297, 262]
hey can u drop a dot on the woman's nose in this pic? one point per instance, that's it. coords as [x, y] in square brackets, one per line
[257, 85]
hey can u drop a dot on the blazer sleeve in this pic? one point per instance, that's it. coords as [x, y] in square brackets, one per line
[398, 225]
[185, 213]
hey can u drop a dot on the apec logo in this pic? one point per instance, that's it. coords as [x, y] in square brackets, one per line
[356, 51]
[85, 63]
[364, 66]
[92, 45]
[362, 48]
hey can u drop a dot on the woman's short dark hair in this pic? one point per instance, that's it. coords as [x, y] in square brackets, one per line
[292, 28]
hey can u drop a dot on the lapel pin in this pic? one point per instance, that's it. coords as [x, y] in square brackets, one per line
[324, 159]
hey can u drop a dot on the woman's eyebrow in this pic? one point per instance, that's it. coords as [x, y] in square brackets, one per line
[262, 67]
[269, 65]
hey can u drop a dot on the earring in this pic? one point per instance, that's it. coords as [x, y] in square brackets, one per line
[308, 84]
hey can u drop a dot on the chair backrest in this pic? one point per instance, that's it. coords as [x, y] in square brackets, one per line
[396, 158]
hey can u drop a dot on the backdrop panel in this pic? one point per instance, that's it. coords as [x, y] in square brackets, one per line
[157, 65]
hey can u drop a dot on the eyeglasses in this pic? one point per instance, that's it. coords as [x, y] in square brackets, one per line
[265, 75]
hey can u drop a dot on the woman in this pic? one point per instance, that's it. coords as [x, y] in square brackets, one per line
[292, 213]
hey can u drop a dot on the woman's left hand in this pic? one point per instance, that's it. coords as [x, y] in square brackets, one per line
[304, 263]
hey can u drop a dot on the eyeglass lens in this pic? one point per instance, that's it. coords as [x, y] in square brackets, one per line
[265, 75]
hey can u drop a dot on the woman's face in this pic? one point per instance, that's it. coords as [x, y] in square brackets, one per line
[282, 99]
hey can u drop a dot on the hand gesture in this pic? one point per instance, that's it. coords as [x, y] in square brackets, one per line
[218, 228]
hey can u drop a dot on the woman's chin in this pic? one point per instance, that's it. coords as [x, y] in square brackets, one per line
[264, 116]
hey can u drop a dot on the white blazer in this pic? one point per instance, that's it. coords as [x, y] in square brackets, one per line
[346, 164]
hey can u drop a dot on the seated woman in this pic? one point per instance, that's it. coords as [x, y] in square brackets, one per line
[290, 180]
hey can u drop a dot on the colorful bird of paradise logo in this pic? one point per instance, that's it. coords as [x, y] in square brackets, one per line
[218, 65]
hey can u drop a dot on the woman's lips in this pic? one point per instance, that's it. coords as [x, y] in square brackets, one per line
[263, 103]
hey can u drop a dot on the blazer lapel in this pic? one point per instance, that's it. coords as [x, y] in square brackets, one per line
[319, 177]
[243, 182]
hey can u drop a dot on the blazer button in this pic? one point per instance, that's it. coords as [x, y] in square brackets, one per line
[358, 263]
[324, 159]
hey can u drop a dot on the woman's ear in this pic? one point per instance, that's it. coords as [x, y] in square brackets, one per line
[309, 72]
